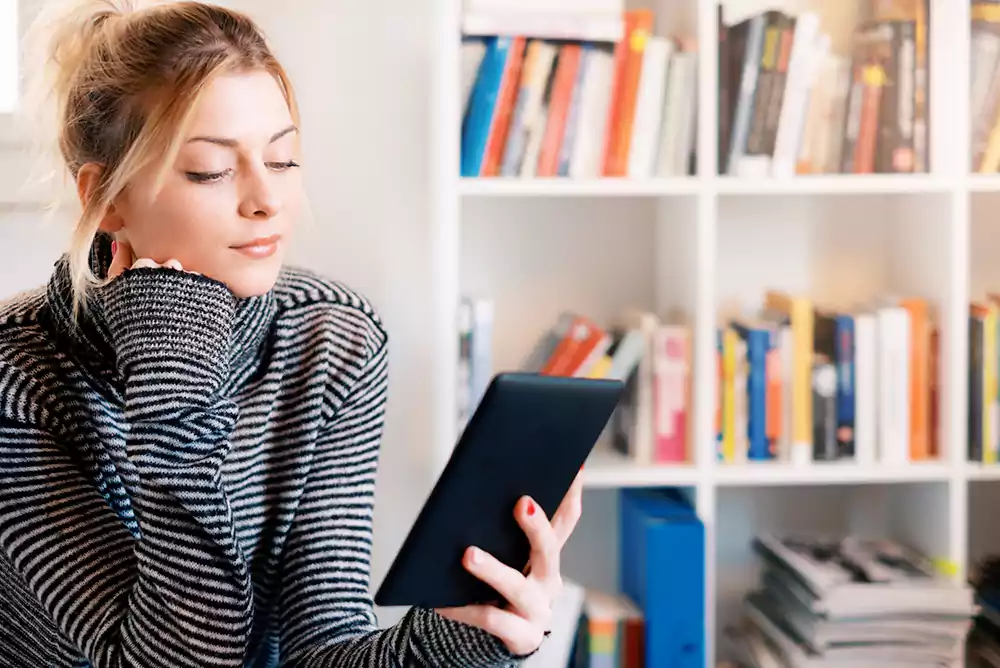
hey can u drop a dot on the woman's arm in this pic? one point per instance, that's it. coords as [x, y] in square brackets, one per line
[326, 613]
[181, 595]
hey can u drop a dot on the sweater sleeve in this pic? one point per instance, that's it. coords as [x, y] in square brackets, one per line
[181, 595]
[327, 616]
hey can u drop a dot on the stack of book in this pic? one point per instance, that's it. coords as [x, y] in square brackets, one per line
[652, 355]
[788, 104]
[801, 382]
[984, 86]
[984, 641]
[851, 601]
[536, 107]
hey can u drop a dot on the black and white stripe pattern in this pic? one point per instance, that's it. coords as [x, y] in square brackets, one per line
[187, 479]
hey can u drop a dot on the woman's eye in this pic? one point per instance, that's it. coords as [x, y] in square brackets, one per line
[282, 166]
[208, 177]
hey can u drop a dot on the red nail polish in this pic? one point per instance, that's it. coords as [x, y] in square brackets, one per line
[531, 508]
[114, 247]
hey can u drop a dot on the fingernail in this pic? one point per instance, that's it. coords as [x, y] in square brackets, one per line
[114, 247]
[531, 507]
[474, 555]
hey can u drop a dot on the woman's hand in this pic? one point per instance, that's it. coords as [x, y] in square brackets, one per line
[525, 621]
[122, 259]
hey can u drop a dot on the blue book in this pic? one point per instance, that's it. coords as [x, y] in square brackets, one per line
[844, 346]
[662, 569]
[760, 340]
[482, 102]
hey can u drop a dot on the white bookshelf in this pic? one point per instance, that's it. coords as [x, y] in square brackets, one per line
[697, 243]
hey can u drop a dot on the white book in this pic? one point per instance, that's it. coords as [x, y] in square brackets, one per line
[592, 20]
[649, 107]
[807, 48]
[865, 384]
[536, 134]
[893, 384]
[786, 348]
[595, 101]
[677, 130]
[817, 115]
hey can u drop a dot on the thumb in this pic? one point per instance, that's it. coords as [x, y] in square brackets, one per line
[121, 261]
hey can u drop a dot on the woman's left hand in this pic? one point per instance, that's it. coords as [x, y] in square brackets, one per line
[523, 623]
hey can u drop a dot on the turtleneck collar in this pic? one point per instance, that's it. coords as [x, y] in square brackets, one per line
[88, 335]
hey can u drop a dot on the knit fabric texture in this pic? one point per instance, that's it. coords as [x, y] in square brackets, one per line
[187, 480]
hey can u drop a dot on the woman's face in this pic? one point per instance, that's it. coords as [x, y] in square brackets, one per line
[230, 200]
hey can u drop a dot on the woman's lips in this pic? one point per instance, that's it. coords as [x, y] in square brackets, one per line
[259, 248]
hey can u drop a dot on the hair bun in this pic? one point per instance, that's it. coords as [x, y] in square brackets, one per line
[54, 50]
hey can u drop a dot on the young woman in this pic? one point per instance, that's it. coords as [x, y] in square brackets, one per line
[189, 432]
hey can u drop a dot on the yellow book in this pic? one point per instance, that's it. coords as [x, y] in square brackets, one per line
[600, 368]
[799, 312]
[990, 386]
[729, 340]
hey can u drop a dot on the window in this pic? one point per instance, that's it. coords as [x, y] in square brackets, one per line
[8, 55]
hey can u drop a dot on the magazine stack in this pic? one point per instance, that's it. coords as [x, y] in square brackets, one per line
[984, 641]
[850, 602]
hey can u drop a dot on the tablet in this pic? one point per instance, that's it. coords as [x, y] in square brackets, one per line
[529, 435]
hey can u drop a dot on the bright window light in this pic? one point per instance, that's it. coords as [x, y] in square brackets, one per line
[8, 55]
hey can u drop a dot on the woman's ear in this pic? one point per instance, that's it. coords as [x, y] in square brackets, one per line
[87, 180]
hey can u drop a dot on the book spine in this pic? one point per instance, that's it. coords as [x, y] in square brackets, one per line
[506, 99]
[852, 118]
[766, 79]
[824, 399]
[904, 157]
[845, 386]
[570, 136]
[748, 91]
[786, 35]
[482, 101]
[864, 150]
[976, 369]
[725, 107]
[865, 388]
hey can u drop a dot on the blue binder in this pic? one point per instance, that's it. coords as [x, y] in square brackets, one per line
[662, 568]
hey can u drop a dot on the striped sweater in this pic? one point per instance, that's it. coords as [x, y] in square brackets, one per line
[187, 478]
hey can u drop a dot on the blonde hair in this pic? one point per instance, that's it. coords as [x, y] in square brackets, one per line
[115, 82]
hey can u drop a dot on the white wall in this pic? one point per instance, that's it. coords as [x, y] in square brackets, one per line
[361, 71]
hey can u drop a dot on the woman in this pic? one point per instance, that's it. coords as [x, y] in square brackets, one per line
[189, 431]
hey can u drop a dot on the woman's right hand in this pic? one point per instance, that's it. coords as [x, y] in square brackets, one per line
[122, 259]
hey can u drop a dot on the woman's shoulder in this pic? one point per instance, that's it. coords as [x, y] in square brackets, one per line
[305, 298]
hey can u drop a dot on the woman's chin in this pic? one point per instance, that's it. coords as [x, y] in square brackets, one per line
[253, 282]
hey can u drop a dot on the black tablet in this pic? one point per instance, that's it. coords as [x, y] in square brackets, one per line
[529, 435]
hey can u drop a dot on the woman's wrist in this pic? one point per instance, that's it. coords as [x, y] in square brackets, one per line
[160, 313]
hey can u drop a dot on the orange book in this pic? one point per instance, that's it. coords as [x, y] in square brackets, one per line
[873, 77]
[567, 68]
[774, 398]
[506, 98]
[628, 70]
[574, 348]
[935, 418]
[920, 377]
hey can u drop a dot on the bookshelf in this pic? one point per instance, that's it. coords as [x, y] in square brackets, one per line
[696, 243]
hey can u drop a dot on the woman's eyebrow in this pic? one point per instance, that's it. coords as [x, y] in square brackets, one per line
[232, 143]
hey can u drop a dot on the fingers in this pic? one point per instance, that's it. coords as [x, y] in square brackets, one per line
[123, 257]
[525, 596]
[568, 514]
[121, 260]
[520, 635]
[545, 546]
